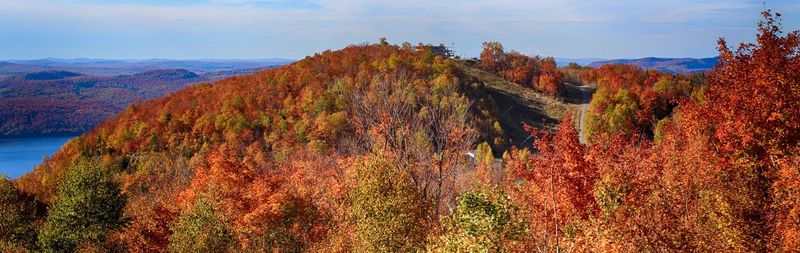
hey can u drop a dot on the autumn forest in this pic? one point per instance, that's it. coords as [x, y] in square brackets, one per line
[394, 148]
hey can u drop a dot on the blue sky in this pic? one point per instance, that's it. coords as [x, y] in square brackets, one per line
[193, 29]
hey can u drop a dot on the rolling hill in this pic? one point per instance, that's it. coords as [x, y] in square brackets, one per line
[324, 102]
[58, 102]
[328, 108]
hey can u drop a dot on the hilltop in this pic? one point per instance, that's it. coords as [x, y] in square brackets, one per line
[292, 106]
[327, 107]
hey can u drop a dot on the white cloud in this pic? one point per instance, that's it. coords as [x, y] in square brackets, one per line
[700, 12]
[576, 28]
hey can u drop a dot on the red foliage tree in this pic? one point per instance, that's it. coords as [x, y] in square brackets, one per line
[551, 81]
[751, 111]
[492, 56]
[559, 184]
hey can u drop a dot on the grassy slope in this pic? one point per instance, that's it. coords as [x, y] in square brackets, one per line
[520, 104]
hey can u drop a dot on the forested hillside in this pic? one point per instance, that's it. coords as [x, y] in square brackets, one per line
[386, 148]
[56, 102]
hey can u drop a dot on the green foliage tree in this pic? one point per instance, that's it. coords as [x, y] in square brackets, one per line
[664, 85]
[201, 230]
[611, 113]
[386, 208]
[484, 221]
[17, 217]
[88, 206]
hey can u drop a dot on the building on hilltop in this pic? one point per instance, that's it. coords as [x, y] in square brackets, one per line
[442, 50]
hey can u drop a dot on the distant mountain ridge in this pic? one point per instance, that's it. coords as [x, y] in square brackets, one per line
[670, 65]
[108, 67]
[563, 61]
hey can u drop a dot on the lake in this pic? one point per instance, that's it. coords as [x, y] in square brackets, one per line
[19, 155]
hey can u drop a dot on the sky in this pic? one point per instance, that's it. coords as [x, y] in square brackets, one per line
[257, 29]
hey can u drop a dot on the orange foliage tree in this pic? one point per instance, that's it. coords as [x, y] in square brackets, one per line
[259, 207]
[551, 80]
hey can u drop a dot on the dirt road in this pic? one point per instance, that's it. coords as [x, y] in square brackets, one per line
[586, 93]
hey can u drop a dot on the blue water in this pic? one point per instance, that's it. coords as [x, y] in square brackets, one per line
[19, 155]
